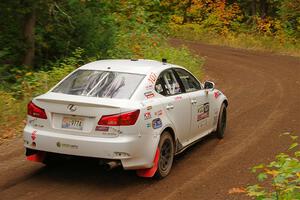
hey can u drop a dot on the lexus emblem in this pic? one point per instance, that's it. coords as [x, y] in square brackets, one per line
[72, 107]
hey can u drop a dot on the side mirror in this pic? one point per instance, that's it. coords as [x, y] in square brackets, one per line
[209, 85]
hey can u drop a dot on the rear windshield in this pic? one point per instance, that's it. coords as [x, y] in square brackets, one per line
[95, 83]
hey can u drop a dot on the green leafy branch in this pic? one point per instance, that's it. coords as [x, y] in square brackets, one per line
[280, 179]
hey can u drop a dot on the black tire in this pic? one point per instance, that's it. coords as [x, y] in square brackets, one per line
[221, 122]
[167, 149]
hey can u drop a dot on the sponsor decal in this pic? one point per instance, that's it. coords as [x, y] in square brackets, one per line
[30, 121]
[203, 112]
[178, 98]
[149, 87]
[33, 135]
[156, 123]
[147, 115]
[152, 78]
[217, 94]
[158, 113]
[200, 109]
[149, 107]
[102, 128]
[64, 145]
[38, 125]
[33, 123]
[148, 125]
[116, 130]
[110, 133]
[149, 95]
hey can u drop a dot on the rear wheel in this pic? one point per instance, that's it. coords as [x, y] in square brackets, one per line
[166, 148]
[222, 122]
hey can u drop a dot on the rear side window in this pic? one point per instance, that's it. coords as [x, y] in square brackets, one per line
[104, 84]
[189, 82]
[167, 84]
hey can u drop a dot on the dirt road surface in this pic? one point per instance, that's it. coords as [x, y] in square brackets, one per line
[264, 95]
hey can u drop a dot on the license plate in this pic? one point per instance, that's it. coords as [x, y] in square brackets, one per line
[72, 123]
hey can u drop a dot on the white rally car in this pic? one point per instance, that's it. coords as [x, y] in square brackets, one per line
[136, 114]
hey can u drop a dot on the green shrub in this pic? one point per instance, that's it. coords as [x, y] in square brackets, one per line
[30, 84]
[144, 45]
[280, 178]
[179, 56]
[13, 101]
[12, 114]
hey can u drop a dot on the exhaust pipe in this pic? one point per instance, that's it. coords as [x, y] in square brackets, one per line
[111, 165]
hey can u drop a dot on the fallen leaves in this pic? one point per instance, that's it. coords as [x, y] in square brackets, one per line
[237, 190]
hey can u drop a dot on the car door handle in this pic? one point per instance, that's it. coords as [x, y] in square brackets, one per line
[169, 107]
[193, 101]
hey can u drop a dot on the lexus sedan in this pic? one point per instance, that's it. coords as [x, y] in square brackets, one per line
[136, 114]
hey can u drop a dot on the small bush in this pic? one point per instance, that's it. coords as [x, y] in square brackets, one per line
[179, 56]
[154, 47]
[279, 179]
[13, 101]
[12, 113]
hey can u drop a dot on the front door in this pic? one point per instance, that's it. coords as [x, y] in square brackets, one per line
[200, 114]
[200, 107]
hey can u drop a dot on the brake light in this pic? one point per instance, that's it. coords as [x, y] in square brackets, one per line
[121, 119]
[35, 111]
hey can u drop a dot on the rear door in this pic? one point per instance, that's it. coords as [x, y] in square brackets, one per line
[200, 107]
[177, 104]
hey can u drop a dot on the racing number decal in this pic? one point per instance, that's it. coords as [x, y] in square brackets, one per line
[203, 112]
[152, 78]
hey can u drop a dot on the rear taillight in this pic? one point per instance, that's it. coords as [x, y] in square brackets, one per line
[35, 111]
[121, 119]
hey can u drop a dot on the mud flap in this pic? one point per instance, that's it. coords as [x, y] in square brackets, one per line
[148, 173]
[37, 157]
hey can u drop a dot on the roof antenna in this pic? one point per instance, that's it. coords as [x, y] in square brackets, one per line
[164, 61]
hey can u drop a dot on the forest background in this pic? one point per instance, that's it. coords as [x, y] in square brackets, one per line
[41, 41]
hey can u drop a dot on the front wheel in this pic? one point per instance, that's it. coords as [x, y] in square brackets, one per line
[221, 122]
[166, 148]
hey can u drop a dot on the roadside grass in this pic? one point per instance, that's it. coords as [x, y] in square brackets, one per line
[179, 56]
[14, 97]
[254, 41]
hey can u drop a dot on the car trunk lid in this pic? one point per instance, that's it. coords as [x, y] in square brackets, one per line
[78, 115]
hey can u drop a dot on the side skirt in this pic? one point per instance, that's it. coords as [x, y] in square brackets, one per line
[180, 148]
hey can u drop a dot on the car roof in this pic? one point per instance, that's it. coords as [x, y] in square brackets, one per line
[139, 66]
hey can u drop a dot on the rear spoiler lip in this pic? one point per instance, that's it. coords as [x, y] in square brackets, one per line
[79, 103]
[82, 100]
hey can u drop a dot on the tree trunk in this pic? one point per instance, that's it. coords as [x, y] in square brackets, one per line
[253, 7]
[188, 5]
[263, 8]
[28, 33]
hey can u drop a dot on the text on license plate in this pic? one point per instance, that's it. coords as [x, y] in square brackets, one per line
[72, 123]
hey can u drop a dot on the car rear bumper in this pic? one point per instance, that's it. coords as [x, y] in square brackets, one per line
[134, 151]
